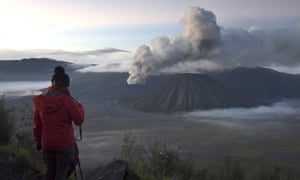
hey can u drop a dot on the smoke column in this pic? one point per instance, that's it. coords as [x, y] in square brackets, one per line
[203, 42]
[201, 35]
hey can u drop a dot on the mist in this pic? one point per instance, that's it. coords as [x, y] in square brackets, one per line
[22, 88]
[278, 117]
[279, 110]
[204, 45]
[102, 60]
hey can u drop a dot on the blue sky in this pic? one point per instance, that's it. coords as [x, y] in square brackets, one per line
[35, 27]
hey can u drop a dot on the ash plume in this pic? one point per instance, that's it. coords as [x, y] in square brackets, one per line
[203, 42]
[198, 41]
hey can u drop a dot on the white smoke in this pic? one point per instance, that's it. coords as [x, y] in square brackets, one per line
[198, 41]
[203, 41]
[259, 47]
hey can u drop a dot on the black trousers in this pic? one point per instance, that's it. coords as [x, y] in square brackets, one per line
[58, 163]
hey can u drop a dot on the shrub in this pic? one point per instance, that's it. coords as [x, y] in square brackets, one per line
[164, 162]
[6, 123]
[158, 161]
[23, 139]
[8, 149]
[18, 144]
[164, 159]
[22, 159]
[128, 148]
[19, 157]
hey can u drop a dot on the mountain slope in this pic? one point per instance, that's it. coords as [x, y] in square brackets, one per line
[260, 83]
[187, 92]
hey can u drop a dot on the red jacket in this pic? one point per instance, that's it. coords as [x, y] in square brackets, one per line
[54, 113]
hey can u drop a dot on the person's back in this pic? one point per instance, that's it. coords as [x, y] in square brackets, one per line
[54, 113]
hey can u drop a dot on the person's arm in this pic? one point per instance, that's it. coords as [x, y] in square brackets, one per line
[75, 110]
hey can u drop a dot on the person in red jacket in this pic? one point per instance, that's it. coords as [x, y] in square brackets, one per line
[54, 112]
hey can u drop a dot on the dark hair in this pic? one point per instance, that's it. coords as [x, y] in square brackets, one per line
[60, 78]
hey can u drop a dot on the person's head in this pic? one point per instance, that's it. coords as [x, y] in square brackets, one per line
[60, 78]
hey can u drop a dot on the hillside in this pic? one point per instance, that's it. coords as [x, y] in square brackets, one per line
[187, 92]
[260, 83]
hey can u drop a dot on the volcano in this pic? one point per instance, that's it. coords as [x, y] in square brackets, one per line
[188, 92]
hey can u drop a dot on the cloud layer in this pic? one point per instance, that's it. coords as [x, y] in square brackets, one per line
[108, 59]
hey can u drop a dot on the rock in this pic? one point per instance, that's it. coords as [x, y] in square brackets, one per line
[116, 170]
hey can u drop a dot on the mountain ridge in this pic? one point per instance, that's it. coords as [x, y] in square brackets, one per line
[260, 83]
[33, 69]
[108, 93]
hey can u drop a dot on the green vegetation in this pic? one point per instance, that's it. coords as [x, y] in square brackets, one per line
[6, 123]
[163, 161]
[20, 157]
[16, 142]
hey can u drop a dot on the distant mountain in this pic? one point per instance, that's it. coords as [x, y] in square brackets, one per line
[260, 83]
[109, 94]
[32, 69]
[187, 92]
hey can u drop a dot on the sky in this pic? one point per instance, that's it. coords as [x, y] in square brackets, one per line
[49, 27]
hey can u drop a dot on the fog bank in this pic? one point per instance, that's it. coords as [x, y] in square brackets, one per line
[277, 110]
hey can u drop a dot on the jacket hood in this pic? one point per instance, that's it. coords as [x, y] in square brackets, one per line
[48, 103]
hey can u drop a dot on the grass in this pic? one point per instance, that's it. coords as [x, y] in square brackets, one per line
[161, 160]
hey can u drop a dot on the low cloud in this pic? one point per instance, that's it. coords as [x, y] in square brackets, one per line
[278, 117]
[274, 112]
[108, 67]
[22, 88]
[103, 60]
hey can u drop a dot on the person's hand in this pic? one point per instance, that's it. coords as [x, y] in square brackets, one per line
[38, 146]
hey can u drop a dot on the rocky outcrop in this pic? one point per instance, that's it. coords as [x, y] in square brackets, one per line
[116, 170]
